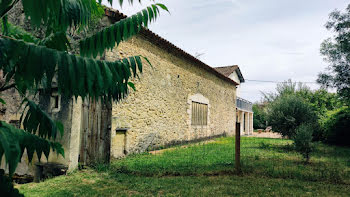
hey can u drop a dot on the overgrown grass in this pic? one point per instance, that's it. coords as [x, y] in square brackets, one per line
[259, 157]
[270, 167]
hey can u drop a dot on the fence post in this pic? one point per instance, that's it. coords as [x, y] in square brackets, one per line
[238, 148]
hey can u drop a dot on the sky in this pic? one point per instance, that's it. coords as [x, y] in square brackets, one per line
[270, 40]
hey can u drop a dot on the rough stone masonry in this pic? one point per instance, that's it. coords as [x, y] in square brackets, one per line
[158, 113]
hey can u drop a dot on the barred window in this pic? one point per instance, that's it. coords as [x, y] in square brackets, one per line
[199, 114]
[55, 102]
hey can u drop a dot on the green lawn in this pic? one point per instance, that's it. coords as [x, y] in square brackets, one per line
[270, 167]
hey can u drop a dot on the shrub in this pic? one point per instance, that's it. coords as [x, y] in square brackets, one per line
[287, 113]
[303, 140]
[259, 120]
[336, 127]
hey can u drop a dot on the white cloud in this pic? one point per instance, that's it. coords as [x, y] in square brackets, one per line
[270, 40]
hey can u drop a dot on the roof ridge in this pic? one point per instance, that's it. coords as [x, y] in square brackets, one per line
[226, 66]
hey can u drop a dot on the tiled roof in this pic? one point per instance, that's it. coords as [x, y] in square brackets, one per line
[228, 70]
[168, 46]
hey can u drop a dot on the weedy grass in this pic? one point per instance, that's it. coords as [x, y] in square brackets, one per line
[270, 167]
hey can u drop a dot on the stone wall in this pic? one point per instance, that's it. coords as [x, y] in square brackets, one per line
[69, 114]
[159, 111]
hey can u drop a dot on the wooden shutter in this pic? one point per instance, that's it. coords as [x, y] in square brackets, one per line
[199, 114]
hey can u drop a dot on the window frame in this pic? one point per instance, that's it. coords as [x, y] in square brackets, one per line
[199, 114]
[55, 98]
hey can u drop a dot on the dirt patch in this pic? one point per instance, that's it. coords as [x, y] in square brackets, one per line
[266, 135]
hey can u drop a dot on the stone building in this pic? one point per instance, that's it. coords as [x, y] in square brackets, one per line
[178, 99]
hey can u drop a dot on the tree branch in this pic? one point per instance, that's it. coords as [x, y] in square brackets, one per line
[4, 88]
[7, 37]
[8, 8]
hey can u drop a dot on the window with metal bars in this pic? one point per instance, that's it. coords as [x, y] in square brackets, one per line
[199, 114]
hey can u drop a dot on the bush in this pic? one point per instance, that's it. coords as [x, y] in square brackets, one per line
[287, 113]
[303, 140]
[336, 127]
[259, 120]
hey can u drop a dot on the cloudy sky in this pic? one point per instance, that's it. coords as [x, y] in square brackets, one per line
[271, 40]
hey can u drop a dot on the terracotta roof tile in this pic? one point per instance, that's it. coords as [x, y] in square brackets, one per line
[228, 70]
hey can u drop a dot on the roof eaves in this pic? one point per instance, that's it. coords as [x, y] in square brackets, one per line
[240, 76]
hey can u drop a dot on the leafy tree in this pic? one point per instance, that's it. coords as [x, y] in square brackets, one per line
[30, 62]
[303, 140]
[288, 112]
[286, 88]
[321, 100]
[259, 120]
[336, 127]
[336, 51]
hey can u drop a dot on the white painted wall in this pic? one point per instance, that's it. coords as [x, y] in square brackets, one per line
[235, 78]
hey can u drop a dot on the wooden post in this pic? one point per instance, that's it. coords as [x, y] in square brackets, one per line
[238, 148]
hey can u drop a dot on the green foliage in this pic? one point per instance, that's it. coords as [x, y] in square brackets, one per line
[2, 101]
[303, 140]
[30, 63]
[59, 15]
[322, 101]
[35, 67]
[36, 121]
[336, 127]
[286, 88]
[58, 40]
[14, 141]
[118, 32]
[287, 113]
[6, 186]
[336, 51]
[18, 33]
[259, 121]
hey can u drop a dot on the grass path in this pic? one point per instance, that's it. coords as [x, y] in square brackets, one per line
[270, 168]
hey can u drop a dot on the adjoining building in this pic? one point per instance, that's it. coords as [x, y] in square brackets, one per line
[244, 108]
[178, 99]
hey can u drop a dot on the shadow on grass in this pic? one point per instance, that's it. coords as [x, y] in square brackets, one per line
[252, 166]
[259, 157]
[282, 148]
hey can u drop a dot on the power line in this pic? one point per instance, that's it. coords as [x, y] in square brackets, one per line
[264, 81]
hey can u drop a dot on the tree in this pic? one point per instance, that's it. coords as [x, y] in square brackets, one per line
[322, 101]
[259, 120]
[336, 51]
[303, 140]
[286, 88]
[288, 112]
[336, 127]
[29, 63]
